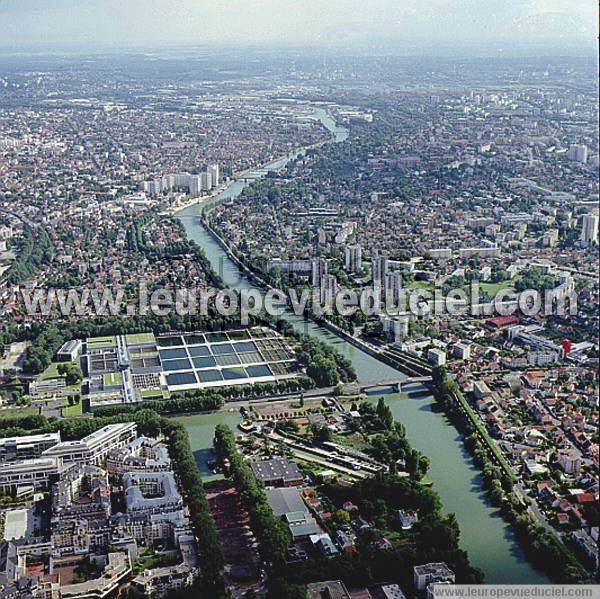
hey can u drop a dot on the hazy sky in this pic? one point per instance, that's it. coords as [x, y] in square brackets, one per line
[548, 23]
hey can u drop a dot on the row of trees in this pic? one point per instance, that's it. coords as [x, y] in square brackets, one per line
[543, 548]
[189, 401]
[293, 385]
[201, 400]
[448, 395]
[148, 422]
[272, 534]
[18, 426]
[209, 546]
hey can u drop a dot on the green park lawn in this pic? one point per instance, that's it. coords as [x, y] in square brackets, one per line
[493, 288]
[154, 394]
[52, 372]
[420, 285]
[18, 412]
[70, 411]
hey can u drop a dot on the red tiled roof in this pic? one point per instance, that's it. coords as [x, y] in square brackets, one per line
[502, 321]
[585, 498]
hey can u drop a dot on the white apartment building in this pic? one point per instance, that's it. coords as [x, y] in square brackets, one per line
[578, 153]
[392, 287]
[462, 351]
[379, 268]
[589, 228]
[329, 289]
[432, 572]
[353, 258]
[318, 271]
[437, 357]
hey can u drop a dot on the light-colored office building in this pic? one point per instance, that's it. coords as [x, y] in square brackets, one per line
[94, 448]
[36, 472]
[26, 447]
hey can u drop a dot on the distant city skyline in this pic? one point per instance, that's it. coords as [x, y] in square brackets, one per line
[549, 25]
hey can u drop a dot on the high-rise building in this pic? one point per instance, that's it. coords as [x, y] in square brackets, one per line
[167, 182]
[436, 356]
[329, 288]
[353, 258]
[182, 180]
[195, 185]
[392, 286]
[396, 328]
[589, 228]
[213, 169]
[318, 270]
[321, 236]
[578, 153]
[153, 188]
[379, 266]
[207, 182]
[550, 238]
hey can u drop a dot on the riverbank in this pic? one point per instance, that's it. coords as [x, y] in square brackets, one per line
[490, 542]
[458, 398]
[456, 478]
[260, 171]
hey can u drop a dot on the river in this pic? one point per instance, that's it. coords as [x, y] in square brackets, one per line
[484, 535]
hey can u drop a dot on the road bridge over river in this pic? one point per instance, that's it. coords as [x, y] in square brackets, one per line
[396, 384]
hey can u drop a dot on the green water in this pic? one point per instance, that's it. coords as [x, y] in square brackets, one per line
[201, 430]
[488, 540]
